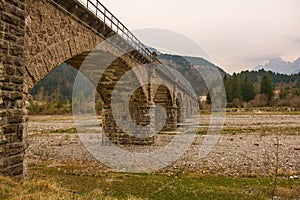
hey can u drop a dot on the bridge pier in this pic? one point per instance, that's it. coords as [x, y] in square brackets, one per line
[116, 135]
[172, 119]
[13, 113]
[182, 117]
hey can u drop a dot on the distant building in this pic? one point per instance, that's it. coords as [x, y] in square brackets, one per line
[277, 93]
[202, 98]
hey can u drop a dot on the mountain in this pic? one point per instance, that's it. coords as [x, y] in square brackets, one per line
[201, 62]
[281, 66]
[297, 63]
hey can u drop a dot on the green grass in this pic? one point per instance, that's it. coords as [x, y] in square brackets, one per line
[243, 130]
[77, 182]
[203, 131]
[257, 111]
[262, 111]
[64, 130]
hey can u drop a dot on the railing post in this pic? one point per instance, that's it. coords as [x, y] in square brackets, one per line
[111, 21]
[104, 16]
[97, 8]
[154, 57]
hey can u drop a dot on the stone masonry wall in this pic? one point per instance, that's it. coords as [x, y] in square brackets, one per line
[12, 31]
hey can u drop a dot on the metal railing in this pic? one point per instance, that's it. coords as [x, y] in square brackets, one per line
[101, 12]
[111, 21]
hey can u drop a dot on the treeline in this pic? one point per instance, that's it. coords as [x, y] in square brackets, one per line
[56, 86]
[53, 94]
[262, 88]
[50, 107]
[276, 78]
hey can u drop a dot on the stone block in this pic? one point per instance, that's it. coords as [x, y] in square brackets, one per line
[9, 128]
[14, 171]
[15, 116]
[10, 19]
[13, 149]
[10, 70]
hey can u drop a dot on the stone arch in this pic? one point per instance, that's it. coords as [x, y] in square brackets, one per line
[163, 97]
[52, 37]
[138, 107]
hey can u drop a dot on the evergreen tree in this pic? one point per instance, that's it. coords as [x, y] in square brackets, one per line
[236, 87]
[267, 87]
[208, 98]
[247, 91]
[228, 88]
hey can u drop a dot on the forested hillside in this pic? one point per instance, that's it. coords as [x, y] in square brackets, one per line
[193, 69]
[57, 85]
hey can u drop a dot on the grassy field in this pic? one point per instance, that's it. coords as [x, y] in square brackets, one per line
[79, 182]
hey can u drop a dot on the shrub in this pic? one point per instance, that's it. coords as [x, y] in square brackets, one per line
[295, 102]
[260, 100]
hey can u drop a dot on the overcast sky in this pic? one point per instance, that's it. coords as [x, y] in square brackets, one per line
[237, 34]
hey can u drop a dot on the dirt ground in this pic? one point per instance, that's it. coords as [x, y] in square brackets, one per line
[247, 147]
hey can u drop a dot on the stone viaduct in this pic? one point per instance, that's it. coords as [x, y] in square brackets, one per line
[38, 35]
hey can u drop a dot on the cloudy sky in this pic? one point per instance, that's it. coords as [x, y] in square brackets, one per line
[237, 34]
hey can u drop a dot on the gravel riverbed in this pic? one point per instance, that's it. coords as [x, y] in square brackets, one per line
[248, 146]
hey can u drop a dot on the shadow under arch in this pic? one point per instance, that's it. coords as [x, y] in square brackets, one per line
[163, 97]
